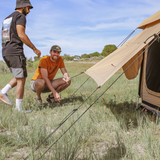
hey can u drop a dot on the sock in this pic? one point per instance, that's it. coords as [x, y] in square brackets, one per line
[19, 104]
[6, 89]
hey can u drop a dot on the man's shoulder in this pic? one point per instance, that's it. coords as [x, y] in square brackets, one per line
[16, 15]
[45, 58]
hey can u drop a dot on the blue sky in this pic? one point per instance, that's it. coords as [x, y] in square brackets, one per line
[80, 26]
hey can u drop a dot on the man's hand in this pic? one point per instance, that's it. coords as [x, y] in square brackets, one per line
[67, 79]
[57, 97]
[37, 52]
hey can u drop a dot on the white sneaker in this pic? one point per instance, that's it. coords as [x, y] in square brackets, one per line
[20, 110]
[4, 98]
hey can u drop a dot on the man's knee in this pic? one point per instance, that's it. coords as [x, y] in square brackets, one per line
[68, 83]
[20, 81]
[39, 84]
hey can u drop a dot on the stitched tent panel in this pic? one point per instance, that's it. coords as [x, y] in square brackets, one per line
[107, 67]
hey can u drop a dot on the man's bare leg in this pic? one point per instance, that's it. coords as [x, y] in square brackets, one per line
[19, 92]
[9, 86]
[62, 87]
[59, 85]
[39, 86]
[13, 82]
[20, 87]
[5, 90]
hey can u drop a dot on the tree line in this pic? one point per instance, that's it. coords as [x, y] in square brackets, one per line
[105, 52]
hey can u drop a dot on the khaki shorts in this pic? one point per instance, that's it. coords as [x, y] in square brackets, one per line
[46, 89]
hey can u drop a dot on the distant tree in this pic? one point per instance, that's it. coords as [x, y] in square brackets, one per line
[85, 56]
[29, 62]
[67, 57]
[76, 56]
[36, 58]
[95, 54]
[108, 49]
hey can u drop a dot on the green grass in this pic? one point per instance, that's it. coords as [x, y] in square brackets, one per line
[110, 130]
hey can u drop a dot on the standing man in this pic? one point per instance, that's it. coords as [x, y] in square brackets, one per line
[13, 37]
[43, 81]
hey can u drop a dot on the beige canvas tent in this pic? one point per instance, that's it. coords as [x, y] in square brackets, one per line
[149, 62]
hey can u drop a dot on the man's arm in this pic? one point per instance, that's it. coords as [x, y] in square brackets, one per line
[44, 74]
[24, 38]
[66, 75]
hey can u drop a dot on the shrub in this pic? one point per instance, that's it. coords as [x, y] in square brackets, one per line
[3, 67]
[35, 64]
[29, 62]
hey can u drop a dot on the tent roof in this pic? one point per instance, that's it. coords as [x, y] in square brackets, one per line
[105, 68]
[154, 18]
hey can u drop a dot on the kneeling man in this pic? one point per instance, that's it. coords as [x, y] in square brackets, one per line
[43, 81]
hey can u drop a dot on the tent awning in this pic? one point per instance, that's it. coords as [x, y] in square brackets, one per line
[105, 68]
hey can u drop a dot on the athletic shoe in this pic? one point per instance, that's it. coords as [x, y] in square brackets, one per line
[4, 98]
[27, 111]
[23, 111]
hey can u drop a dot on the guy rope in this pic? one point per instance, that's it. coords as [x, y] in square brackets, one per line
[156, 38]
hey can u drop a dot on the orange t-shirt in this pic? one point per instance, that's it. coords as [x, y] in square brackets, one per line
[52, 67]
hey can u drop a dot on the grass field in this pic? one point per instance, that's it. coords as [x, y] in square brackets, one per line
[110, 130]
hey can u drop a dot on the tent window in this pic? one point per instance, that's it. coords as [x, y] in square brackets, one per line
[153, 67]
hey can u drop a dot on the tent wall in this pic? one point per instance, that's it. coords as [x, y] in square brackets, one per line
[124, 57]
[150, 80]
[108, 66]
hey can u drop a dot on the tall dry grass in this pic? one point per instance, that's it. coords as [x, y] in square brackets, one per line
[110, 129]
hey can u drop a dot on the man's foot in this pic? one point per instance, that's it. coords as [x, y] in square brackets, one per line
[4, 98]
[39, 101]
[50, 99]
[23, 111]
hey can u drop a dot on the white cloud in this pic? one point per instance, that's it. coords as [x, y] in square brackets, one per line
[83, 26]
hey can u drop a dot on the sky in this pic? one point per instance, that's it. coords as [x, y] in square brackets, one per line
[80, 26]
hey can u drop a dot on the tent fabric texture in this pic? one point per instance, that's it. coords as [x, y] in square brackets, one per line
[104, 69]
[125, 55]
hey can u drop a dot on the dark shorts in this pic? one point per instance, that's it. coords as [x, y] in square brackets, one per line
[17, 65]
[46, 89]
